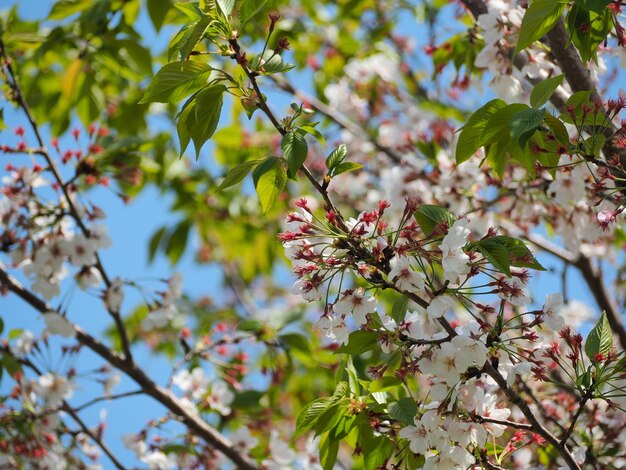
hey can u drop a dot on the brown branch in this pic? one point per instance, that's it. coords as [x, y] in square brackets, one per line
[572, 425]
[503, 422]
[42, 150]
[99, 442]
[163, 396]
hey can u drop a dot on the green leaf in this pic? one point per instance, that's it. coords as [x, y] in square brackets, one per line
[247, 399]
[10, 364]
[544, 90]
[270, 178]
[177, 80]
[336, 156]
[504, 252]
[236, 174]
[295, 151]
[155, 241]
[470, 137]
[379, 450]
[190, 9]
[189, 36]
[588, 30]
[558, 129]
[399, 308]
[600, 339]
[429, 216]
[64, 8]
[597, 6]
[497, 128]
[497, 255]
[177, 242]
[345, 167]
[157, 10]
[296, 341]
[524, 124]
[403, 410]
[199, 117]
[315, 133]
[541, 16]
[329, 447]
[226, 6]
[249, 8]
[310, 413]
[359, 342]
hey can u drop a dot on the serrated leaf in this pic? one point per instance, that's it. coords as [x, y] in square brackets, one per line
[600, 339]
[403, 410]
[541, 16]
[544, 90]
[270, 178]
[345, 167]
[237, 173]
[177, 80]
[471, 132]
[497, 128]
[199, 117]
[504, 252]
[359, 342]
[497, 255]
[295, 151]
[429, 216]
[336, 156]
[309, 415]
[524, 124]
[189, 38]
[249, 8]
[226, 6]
[315, 133]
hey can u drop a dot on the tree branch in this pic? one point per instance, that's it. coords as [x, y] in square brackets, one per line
[163, 396]
[13, 82]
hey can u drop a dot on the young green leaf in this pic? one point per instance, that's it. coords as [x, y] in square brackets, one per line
[336, 156]
[345, 167]
[249, 8]
[295, 151]
[429, 216]
[470, 136]
[177, 80]
[237, 173]
[270, 178]
[541, 16]
[226, 7]
[600, 339]
[544, 90]
[310, 413]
